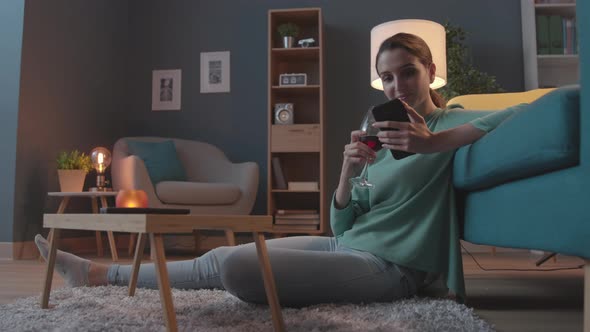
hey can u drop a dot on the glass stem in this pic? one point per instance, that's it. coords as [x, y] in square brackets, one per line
[363, 174]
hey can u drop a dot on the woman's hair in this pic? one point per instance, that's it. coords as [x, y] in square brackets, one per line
[418, 48]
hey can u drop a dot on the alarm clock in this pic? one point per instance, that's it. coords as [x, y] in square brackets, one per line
[284, 113]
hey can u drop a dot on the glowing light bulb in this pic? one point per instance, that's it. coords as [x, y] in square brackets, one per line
[101, 159]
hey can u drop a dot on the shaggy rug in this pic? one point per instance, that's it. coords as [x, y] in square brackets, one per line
[108, 308]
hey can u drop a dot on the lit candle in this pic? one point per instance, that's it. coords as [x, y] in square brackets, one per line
[131, 199]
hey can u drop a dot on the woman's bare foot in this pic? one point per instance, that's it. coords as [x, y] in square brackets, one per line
[75, 270]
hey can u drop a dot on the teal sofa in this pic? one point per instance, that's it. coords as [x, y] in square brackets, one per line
[519, 186]
[524, 184]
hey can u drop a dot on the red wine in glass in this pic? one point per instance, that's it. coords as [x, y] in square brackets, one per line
[372, 142]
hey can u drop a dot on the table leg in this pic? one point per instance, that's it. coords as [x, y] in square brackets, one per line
[54, 241]
[111, 237]
[131, 244]
[157, 243]
[99, 249]
[60, 210]
[269, 283]
[230, 236]
[197, 239]
[136, 263]
[62, 206]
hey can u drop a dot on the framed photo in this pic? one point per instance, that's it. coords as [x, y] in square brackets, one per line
[166, 86]
[215, 72]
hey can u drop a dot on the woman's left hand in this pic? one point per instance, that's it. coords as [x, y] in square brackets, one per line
[413, 136]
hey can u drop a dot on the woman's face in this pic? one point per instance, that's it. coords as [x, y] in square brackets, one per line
[405, 77]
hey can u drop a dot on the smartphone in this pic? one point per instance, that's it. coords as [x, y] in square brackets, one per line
[392, 110]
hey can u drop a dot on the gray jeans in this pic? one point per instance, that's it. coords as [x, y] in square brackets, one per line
[307, 269]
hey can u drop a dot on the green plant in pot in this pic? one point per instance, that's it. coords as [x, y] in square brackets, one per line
[288, 31]
[463, 77]
[72, 168]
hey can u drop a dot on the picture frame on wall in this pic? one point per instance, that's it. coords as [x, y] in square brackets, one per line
[166, 88]
[215, 72]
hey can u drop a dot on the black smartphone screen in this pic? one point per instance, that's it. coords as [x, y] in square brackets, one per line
[392, 110]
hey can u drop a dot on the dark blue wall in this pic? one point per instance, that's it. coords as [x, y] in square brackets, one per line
[73, 92]
[86, 76]
[11, 31]
[168, 35]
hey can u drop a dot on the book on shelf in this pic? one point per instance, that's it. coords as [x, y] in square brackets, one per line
[542, 22]
[569, 36]
[303, 185]
[277, 171]
[555, 34]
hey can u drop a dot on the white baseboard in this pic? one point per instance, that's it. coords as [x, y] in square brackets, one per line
[18, 250]
[6, 250]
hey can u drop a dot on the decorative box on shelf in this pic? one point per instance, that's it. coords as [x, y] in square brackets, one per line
[299, 79]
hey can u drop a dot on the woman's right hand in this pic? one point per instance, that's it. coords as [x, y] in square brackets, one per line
[355, 155]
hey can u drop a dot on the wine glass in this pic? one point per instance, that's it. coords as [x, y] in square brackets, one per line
[371, 140]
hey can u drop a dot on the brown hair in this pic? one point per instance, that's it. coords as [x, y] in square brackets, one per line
[418, 48]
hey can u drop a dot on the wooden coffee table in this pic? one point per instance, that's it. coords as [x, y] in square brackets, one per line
[94, 197]
[154, 226]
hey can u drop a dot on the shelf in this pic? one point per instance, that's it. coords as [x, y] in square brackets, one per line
[299, 147]
[546, 70]
[306, 92]
[563, 9]
[313, 87]
[299, 53]
[558, 59]
[306, 15]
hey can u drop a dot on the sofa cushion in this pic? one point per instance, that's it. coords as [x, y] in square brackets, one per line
[540, 137]
[197, 193]
[160, 159]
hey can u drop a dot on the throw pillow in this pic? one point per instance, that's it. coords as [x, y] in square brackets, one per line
[160, 159]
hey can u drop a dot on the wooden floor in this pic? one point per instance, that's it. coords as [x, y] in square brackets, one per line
[512, 301]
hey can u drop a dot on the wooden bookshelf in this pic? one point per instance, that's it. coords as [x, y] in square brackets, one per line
[299, 146]
[546, 70]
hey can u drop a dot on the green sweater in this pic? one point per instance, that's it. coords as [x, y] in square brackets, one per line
[409, 217]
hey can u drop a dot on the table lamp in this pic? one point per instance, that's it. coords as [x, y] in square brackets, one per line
[101, 159]
[433, 34]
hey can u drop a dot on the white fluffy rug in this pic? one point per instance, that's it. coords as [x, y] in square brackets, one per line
[109, 308]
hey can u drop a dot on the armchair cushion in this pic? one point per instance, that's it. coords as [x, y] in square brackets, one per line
[540, 137]
[160, 159]
[197, 193]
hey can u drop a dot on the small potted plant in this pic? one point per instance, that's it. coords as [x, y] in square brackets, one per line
[72, 168]
[289, 31]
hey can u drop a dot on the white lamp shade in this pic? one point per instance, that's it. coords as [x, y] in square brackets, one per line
[433, 34]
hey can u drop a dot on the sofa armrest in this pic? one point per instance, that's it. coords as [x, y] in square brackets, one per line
[132, 174]
[246, 176]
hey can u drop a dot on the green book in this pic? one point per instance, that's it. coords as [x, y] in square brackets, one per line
[556, 34]
[543, 46]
